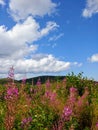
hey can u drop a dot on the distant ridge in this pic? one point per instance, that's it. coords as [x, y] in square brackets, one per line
[4, 81]
[43, 79]
[35, 79]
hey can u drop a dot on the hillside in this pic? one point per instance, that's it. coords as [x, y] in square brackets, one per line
[43, 79]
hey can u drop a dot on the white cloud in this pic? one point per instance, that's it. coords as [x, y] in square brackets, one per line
[56, 37]
[49, 45]
[17, 44]
[40, 63]
[91, 8]
[50, 26]
[77, 64]
[14, 41]
[20, 9]
[93, 58]
[2, 2]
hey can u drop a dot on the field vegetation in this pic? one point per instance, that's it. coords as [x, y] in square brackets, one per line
[67, 104]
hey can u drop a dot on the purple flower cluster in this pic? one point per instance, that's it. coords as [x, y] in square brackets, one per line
[67, 112]
[48, 83]
[72, 89]
[97, 124]
[11, 92]
[24, 80]
[50, 95]
[73, 94]
[11, 73]
[38, 83]
[26, 121]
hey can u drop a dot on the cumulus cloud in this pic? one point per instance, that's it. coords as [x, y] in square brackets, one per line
[40, 63]
[43, 63]
[22, 9]
[17, 39]
[2, 2]
[91, 8]
[93, 58]
[17, 43]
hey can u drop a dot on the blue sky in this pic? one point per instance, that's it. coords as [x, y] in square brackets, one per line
[49, 37]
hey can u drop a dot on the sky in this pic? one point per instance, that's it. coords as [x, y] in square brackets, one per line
[49, 37]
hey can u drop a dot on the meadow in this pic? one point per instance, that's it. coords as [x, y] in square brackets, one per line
[68, 104]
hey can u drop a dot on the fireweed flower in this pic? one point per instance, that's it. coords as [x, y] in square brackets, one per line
[11, 92]
[72, 96]
[67, 112]
[48, 83]
[29, 119]
[50, 95]
[38, 83]
[24, 80]
[80, 102]
[72, 99]
[73, 92]
[72, 89]
[11, 73]
[97, 124]
[26, 121]
[47, 94]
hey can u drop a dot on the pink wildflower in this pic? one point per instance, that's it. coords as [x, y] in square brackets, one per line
[11, 92]
[26, 121]
[72, 89]
[97, 124]
[38, 83]
[48, 83]
[24, 80]
[50, 95]
[67, 112]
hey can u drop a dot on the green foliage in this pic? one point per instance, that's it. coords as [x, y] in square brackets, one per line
[2, 114]
[43, 117]
[73, 123]
[46, 111]
[79, 82]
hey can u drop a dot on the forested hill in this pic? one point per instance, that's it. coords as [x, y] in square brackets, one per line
[5, 81]
[35, 79]
[43, 79]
